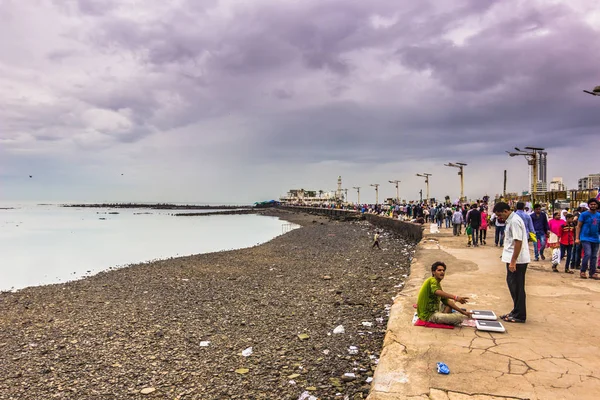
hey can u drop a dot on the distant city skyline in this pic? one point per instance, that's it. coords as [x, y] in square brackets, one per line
[234, 102]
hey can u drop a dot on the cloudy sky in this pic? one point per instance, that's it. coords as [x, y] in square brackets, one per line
[237, 101]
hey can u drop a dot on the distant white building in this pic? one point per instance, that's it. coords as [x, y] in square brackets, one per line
[591, 181]
[557, 185]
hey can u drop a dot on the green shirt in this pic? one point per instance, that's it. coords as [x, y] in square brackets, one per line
[428, 302]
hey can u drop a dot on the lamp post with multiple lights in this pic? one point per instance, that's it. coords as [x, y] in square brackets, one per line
[357, 192]
[531, 154]
[426, 176]
[460, 166]
[396, 182]
[594, 92]
[376, 186]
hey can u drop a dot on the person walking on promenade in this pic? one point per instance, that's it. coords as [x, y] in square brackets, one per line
[540, 224]
[457, 221]
[516, 256]
[567, 239]
[555, 226]
[439, 215]
[449, 213]
[376, 240]
[483, 227]
[474, 220]
[525, 217]
[499, 226]
[576, 253]
[586, 234]
[435, 305]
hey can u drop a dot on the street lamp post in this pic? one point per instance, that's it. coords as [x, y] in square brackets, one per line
[376, 186]
[426, 176]
[357, 192]
[396, 182]
[460, 166]
[594, 92]
[531, 154]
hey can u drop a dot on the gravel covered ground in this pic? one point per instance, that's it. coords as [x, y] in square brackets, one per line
[142, 331]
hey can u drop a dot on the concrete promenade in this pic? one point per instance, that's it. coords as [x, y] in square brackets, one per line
[555, 355]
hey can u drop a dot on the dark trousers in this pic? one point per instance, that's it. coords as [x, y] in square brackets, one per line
[475, 235]
[565, 251]
[576, 256]
[376, 243]
[482, 235]
[456, 229]
[590, 256]
[499, 235]
[516, 286]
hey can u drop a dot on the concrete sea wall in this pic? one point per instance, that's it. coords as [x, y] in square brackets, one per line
[408, 230]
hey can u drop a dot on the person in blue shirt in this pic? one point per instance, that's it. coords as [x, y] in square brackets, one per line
[540, 225]
[587, 234]
[525, 217]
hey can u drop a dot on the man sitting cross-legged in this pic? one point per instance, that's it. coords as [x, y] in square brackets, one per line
[435, 305]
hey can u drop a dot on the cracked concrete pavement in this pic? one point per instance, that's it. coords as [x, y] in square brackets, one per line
[554, 355]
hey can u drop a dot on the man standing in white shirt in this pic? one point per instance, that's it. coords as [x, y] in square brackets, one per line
[516, 256]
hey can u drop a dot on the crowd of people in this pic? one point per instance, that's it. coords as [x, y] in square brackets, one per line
[569, 242]
[571, 234]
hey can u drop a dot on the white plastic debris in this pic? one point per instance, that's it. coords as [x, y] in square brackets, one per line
[379, 320]
[350, 375]
[339, 329]
[367, 324]
[326, 352]
[369, 379]
[307, 396]
[352, 350]
[247, 352]
[205, 343]
[292, 382]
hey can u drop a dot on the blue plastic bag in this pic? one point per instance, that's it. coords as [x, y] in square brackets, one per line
[443, 368]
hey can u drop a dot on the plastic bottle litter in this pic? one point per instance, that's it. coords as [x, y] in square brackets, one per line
[307, 396]
[247, 352]
[443, 368]
[339, 329]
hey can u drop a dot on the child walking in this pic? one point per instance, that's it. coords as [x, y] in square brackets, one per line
[567, 240]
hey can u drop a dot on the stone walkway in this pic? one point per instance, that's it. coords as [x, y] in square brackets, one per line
[555, 355]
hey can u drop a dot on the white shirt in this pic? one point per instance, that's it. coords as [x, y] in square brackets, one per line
[515, 230]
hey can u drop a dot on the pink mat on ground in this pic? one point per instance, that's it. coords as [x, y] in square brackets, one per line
[433, 325]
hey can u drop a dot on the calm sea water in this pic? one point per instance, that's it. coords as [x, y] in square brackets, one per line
[43, 244]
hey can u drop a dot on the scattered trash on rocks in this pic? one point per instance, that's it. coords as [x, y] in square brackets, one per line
[339, 330]
[352, 350]
[369, 379]
[349, 377]
[367, 324]
[247, 352]
[205, 343]
[307, 396]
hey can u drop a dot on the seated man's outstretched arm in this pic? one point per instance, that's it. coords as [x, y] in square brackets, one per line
[450, 300]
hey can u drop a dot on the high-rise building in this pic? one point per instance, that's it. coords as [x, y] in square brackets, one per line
[542, 172]
[557, 185]
[591, 181]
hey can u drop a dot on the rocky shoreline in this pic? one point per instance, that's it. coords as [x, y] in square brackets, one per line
[181, 328]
